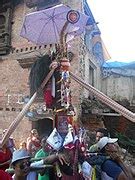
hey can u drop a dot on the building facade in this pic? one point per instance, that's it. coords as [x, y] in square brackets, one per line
[17, 55]
[118, 82]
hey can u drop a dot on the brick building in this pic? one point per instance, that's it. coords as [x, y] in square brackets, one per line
[17, 56]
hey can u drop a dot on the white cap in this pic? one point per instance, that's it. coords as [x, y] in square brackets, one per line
[104, 141]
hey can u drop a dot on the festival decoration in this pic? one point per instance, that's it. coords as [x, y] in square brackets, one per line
[57, 25]
[52, 25]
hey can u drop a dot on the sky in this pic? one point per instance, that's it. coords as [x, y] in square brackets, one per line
[116, 20]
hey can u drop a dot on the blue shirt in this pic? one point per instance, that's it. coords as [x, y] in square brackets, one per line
[111, 168]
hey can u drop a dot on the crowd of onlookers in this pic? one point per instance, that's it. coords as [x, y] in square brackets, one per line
[34, 160]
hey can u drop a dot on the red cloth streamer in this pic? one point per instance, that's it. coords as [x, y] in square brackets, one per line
[48, 98]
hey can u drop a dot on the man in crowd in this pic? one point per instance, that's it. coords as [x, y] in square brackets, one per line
[42, 153]
[101, 132]
[113, 167]
[5, 156]
[22, 166]
[10, 143]
[33, 142]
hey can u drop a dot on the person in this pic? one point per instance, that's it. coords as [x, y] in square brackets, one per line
[33, 142]
[22, 165]
[10, 142]
[113, 167]
[23, 145]
[101, 132]
[70, 145]
[5, 157]
[42, 153]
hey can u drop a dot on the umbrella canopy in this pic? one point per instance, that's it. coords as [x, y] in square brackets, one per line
[45, 26]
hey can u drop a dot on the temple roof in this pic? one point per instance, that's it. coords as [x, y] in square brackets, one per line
[126, 69]
[116, 64]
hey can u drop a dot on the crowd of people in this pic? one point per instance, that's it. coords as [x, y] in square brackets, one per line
[35, 159]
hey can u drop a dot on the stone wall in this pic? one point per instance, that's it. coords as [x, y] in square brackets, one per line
[14, 86]
[14, 80]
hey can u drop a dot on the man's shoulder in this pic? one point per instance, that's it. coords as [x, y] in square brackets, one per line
[39, 152]
[110, 163]
[93, 148]
[111, 168]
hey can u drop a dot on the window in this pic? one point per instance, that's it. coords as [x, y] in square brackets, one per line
[91, 76]
[5, 28]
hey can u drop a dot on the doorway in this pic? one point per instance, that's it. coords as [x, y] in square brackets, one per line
[43, 126]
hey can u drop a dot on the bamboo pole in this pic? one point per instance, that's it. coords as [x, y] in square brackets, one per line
[105, 99]
[20, 116]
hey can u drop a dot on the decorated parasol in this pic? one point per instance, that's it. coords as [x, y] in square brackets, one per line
[50, 26]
